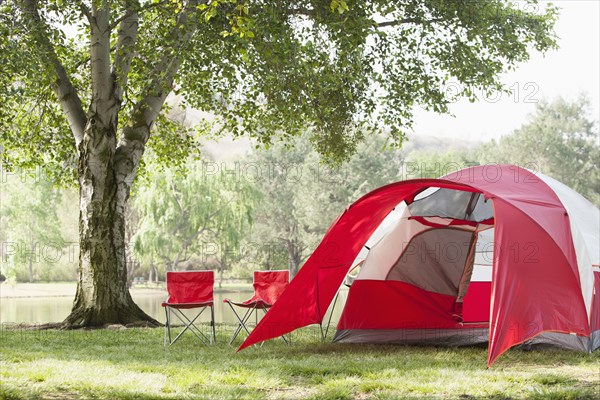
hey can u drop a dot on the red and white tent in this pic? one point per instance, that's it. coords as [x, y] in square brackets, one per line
[491, 253]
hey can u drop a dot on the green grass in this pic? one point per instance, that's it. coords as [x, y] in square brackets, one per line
[132, 364]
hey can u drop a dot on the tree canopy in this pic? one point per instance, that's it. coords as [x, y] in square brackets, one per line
[264, 69]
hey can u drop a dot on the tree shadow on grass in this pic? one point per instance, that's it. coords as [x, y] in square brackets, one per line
[307, 368]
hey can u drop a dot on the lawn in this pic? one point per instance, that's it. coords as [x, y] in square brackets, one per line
[131, 364]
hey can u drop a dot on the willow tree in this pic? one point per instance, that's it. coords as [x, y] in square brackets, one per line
[84, 84]
[182, 215]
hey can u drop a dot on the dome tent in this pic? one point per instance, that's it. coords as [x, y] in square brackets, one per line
[422, 280]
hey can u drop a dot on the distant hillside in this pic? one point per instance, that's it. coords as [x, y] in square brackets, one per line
[228, 148]
[436, 143]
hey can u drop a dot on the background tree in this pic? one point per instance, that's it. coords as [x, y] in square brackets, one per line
[305, 196]
[330, 189]
[234, 225]
[434, 164]
[279, 175]
[84, 84]
[204, 212]
[134, 267]
[560, 140]
[33, 242]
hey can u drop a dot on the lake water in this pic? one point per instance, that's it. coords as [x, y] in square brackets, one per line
[55, 309]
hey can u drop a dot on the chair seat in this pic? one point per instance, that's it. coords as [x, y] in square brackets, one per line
[187, 305]
[251, 303]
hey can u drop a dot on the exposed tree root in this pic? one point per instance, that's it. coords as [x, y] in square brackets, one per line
[131, 315]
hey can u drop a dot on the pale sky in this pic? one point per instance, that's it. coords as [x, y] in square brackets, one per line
[567, 72]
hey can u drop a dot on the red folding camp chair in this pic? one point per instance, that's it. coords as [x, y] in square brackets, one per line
[188, 290]
[268, 286]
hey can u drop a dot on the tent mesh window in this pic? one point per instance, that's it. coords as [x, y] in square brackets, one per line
[434, 260]
[455, 204]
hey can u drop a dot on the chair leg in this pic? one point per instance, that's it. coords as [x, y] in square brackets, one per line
[241, 322]
[237, 329]
[240, 325]
[253, 309]
[282, 336]
[167, 328]
[189, 325]
[213, 336]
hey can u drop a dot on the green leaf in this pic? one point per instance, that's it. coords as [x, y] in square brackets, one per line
[210, 13]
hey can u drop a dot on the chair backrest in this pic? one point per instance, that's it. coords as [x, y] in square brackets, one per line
[190, 286]
[268, 285]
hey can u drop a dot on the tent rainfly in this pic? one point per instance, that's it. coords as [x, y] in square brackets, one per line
[492, 253]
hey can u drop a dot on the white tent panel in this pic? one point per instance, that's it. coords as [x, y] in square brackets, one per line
[584, 219]
[389, 222]
[481, 273]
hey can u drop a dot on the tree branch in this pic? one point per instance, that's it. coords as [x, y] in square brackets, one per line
[147, 109]
[166, 69]
[125, 49]
[136, 10]
[85, 10]
[181, 210]
[63, 88]
[102, 102]
[309, 12]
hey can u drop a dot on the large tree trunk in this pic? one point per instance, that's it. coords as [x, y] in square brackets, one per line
[102, 296]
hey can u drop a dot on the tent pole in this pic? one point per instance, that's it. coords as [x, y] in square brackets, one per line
[324, 335]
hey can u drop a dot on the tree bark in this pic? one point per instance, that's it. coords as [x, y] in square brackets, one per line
[102, 296]
[102, 293]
